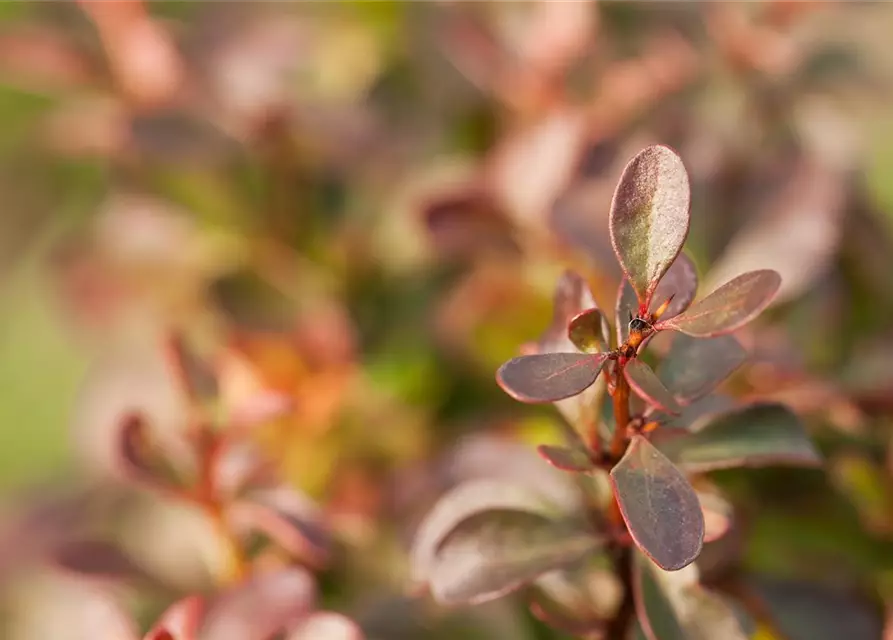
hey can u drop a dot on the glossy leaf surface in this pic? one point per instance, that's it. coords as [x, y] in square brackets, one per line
[695, 366]
[566, 458]
[648, 386]
[550, 376]
[728, 308]
[649, 217]
[758, 435]
[494, 552]
[589, 331]
[660, 507]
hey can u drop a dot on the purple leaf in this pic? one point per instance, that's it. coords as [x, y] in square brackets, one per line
[648, 386]
[728, 308]
[681, 282]
[567, 458]
[263, 606]
[627, 307]
[180, 621]
[550, 376]
[98, 559]
[649, 217]
[589, 331]
[661, 510]
[494, 552]
[695, 366]
[759, 435]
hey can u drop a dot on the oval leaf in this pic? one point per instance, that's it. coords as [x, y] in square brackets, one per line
[566, 458]
[728, 308]
[572, 296]
[660, 507]
[549, 377]
[759, 435]
[649, 217]
[648, 386]
[695, 366]
[180, 621]
[494, 552]
[589, 331]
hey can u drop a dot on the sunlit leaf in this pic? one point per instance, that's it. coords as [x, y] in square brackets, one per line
[494, 552]
[648, 386]
[567, 458]
[695, 366]
[589, 331]
[717, 515]
[141, 460]
[657, 619]
[728, 308]
[550, 376]
[758, 435]
[681, 282]
[99, 559]
[326, 625]
[660, 507]
[626, 308]
[180, 621]
[649, 217]
[463, 501]
[572, 296]
[195, 374]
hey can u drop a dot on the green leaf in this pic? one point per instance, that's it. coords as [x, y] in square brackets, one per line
[696, 366]
[649, 217]
[589, 331]
[728, 308]
[567, 458]
[648, 386]
[549, 377]
[661, 510]
[463, 501]
[759, 435]
[494, 552]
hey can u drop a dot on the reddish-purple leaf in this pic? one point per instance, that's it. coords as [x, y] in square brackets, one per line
[681, 282]
[141, 462]
[626, 308]
[549, 377]
[717, 515]
[661, 510]
[728, 308]
[695, 366]
[589, 331]
[326, 625]
[758, 435]
[566, 458]
[265, 605]
[99, 559]
[649, 217]
[572, 296]
[196, 375]
[180, 621]
[494, 552]
[648, 386]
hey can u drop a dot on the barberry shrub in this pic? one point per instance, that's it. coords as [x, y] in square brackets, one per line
[637, 439]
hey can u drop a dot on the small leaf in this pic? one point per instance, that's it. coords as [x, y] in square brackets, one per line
[572, 296]
[695, 366]
[196, 375]
[99, 559]
[494, 552]
[681, 282]
[659, 506]
[728, 308]
[141, 461]
[589, 331]
[758, 435]
[566, 458]
[649, 217]
[180, 621]
[648, 386]
[262, 607]
[627, 307]
[550, 376]
[463, 501]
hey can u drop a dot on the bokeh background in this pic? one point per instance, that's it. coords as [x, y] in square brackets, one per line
[365, 206]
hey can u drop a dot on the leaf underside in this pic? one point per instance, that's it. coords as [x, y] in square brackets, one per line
[650, 216]
[696, 366]
[648, 386]
[549, 377]
[728, 308]
[566, 458]
[758, 435]
[589, 331]
[661, 510]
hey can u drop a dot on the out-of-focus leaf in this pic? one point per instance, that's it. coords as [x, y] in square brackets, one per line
[649, 217]
[572, 297]
[464, 501]
[260, 409]
[326, 625]
[466, 223]
[660, 507]
[657, 619]
[288, 517]
[627, 307]
[796, 235]
[549, 377]
[694, 415]
[180, 621]
[196, 375]
[717, 515]
[648, 386]
[98, 559]
[578, 599]
[265, 605]
[695, 366]
[494, 552]
[728, 308]
[567, 458]
[589, 331]
[142, 462]
[758, 435]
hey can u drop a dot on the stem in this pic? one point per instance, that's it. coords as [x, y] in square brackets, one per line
[618, 626]
[621, 413]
